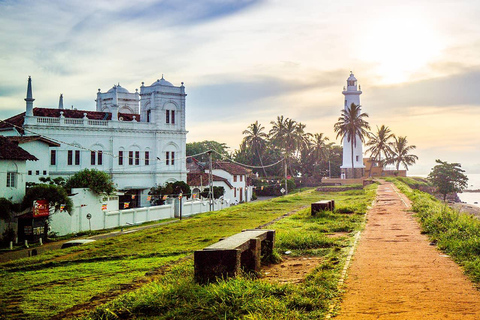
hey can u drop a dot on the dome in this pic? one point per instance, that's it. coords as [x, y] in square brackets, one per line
[118, 88]
[162, 82]
[352, 77]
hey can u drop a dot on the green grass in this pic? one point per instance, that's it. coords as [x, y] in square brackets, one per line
[46, 285]
[457, 234]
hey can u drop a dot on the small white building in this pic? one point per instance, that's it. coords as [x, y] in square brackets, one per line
[138, 138]
[237, 176]
[13, 170]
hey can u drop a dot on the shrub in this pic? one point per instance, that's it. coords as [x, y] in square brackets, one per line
[98, 182]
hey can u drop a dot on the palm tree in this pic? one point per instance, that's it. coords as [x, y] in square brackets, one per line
[379, 144]
[352, 126]
[256, 138]
[401, 154]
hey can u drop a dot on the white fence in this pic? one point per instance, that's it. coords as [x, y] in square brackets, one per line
[88, 213]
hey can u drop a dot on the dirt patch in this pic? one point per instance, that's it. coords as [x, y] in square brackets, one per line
[290, 270]
[397, 274]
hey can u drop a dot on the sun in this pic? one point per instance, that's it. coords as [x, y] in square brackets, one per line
[398, 45]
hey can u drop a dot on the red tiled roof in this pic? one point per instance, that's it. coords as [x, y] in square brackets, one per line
[24, 139]
[67, 113]
[9, 150]
[193, 179]
[231, 168]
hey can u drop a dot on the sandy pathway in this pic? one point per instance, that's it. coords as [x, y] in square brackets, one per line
[396, 274]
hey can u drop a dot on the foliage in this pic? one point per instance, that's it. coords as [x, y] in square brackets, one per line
[400, 153]
[256, 139]
[98, 182]
[55, 195]
[195, 148]
[6, 209]
[169, 189]
[380, 144]
[352, 126]
[217, 192]
[448, 178]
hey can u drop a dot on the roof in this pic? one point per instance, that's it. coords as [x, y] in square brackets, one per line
[195, 166]
[25, 139]
[17, 120]
[9, 150]
[198, 179]
[118, 88]
[231, 168]
[162, 82]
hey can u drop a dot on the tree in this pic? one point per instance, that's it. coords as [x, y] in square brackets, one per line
[217, 192]
[55, 195]
[256, 139]
[380, 144]
[448, 178]
[6, 209]
[196, 148]
[352, 126]
[400, 153]
[98, 182]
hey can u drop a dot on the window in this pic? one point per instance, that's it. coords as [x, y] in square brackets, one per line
[147, 158]
[11, 179]
[70, 157]
[100, 158]
[170, 116]
[44, 172]
[173, 158]
[234, 192]
[137, 158]
[356, 158]
[53, 157]
[241, 178]
[167, 158]
[148, 115]
[37, 172]
[234, 178]
[77, 157]
[29, 172]
[130, 158]
[92, 158]
[120, 158]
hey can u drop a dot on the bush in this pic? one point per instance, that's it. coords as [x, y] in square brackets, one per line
[98, 182]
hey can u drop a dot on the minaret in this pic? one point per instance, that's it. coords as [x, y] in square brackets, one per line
[29, 99]
[60, 102]
[352, 95]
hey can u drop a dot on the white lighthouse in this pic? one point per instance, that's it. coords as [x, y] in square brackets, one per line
[352, 95]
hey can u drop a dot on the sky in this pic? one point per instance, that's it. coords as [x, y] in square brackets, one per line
[246, 60]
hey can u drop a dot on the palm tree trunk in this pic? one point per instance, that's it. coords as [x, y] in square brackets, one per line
[261, 162]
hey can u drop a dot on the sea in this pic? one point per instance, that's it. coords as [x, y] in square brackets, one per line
[473, 184]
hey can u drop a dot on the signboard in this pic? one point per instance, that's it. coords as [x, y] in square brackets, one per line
[104, 207]
[126, 205]
[89, 216]
[40, 208]
[149, 198]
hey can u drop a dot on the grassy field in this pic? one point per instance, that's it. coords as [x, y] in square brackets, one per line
[457, 234]
[53, 283]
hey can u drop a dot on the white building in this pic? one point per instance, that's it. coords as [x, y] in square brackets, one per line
[139, 150]
[352, 95]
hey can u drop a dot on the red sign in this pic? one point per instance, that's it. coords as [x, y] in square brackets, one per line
[104, 207]
[40, 208]
[126, 205]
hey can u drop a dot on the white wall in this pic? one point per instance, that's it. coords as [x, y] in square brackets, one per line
[85, 202]
[16, 193]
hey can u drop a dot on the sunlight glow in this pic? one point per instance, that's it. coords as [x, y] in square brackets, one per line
[399, 47]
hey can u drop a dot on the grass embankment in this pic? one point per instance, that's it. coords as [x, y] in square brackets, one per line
[457, 234]
[47, 285]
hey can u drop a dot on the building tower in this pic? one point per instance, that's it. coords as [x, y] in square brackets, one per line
[352, 95]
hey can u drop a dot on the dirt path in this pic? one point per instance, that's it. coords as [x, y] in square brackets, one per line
[396, 274]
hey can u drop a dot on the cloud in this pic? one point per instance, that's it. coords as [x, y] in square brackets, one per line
[454, 90]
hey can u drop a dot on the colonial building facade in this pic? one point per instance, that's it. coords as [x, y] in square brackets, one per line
[138, 138]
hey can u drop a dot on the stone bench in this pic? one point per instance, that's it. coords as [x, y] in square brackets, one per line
[225, 258]
[323, 205]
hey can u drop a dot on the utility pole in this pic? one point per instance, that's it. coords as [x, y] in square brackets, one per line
[210, 182]
[329, 170]
[286, 188]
